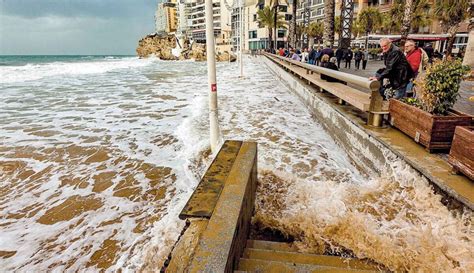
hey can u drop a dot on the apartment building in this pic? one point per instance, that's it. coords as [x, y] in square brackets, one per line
[316, 11]
[256, 37]
[197, 23]
[166, 17]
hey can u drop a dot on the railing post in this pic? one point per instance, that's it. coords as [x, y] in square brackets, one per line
[375, 108]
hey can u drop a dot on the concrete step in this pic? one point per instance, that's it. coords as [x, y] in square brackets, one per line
[269, 245]
[303, 258]
[263, 266]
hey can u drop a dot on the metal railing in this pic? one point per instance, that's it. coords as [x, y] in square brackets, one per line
[370, 87]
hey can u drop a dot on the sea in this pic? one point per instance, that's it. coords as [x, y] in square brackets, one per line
[99, 154]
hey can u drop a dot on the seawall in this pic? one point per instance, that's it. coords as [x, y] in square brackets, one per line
[385, 152]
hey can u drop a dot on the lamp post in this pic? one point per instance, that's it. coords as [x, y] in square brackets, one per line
[211, 77]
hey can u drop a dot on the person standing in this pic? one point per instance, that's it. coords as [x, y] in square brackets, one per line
[295, 56]
[328, 51]
[339, 55]
[357, 58]
[365, 58]
[429, 50]
[348, 57]
[304, 55]
[312, 56]
[414, 58]
[319, 55]
[397, 69]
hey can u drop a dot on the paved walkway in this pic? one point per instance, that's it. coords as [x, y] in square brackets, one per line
[467, 87]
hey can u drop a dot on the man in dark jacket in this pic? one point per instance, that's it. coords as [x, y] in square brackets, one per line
[397, 69]
[348, 55]
[312, 56]
[339, 55]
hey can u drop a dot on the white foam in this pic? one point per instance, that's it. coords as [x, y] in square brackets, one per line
[29, 72]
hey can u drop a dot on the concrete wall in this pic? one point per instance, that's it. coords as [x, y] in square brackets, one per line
[216, 244]
[382, 152]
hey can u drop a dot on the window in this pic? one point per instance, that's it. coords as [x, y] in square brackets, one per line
[255, 17]
[281, 33]
[283, 8]
[252, 34]
[288, 17]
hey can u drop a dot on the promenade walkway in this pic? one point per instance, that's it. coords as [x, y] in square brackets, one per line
[467, 87]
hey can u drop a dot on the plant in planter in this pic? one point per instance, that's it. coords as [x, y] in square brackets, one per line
[428, 118]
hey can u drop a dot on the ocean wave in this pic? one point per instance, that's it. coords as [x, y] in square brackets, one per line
[31, 72]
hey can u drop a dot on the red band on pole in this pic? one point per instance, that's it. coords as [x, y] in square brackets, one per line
[214, 87]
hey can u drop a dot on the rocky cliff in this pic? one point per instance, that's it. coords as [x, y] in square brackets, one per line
[162, 47]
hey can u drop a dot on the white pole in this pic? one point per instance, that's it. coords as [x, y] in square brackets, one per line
[241, 38]
[211, 77]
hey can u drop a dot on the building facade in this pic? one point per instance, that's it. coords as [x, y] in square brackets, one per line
[166, 19]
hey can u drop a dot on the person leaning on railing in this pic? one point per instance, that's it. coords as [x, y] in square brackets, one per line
[397, 70]
[326, 63]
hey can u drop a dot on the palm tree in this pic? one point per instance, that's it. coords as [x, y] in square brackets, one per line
[451, 13]
[329, 6]
[266, 18]
[292, 34]
[420, 16]
[412, 14]
[275, 4]
[315, 30]
[369, 19]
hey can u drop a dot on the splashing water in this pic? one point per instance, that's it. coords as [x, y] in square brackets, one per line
[95, 168]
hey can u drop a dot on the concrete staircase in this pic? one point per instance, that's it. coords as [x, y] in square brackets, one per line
[275, 257]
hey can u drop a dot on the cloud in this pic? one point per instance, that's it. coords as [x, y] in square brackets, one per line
[74, 27]
[76, 8]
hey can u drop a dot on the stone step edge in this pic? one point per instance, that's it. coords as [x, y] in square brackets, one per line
[304, 258]
[261, 266]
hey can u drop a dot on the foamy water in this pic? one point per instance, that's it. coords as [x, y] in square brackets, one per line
[96, 164]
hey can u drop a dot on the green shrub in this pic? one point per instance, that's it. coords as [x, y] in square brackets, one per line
[438, 89]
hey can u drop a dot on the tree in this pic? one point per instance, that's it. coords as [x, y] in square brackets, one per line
[369, 19]
[315, 30]
[275, 4]
[406, 22]
[266, 18]
[407, 16]
[329, 6]
[300, 29]
[451, 13]
[337, 25]
[292, 35]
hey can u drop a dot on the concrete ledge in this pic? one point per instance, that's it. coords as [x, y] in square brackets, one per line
[375, 150]
[217, 243]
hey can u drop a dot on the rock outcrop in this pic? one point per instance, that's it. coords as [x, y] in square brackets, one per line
[159, 46]
[162, 47]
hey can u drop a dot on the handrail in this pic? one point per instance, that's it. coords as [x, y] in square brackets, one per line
[375, 112]
[349, 78]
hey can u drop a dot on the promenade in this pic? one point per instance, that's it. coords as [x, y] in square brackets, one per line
[467, 87]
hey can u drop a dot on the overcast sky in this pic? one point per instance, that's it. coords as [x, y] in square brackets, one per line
[35, 27]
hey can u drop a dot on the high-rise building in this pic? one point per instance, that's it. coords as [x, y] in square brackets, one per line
[166, 17]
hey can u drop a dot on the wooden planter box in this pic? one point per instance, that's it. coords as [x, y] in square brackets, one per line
[461, 155]
[434, 132]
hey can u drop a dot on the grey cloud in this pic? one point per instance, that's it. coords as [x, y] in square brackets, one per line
[76, 8]
[74, 27]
